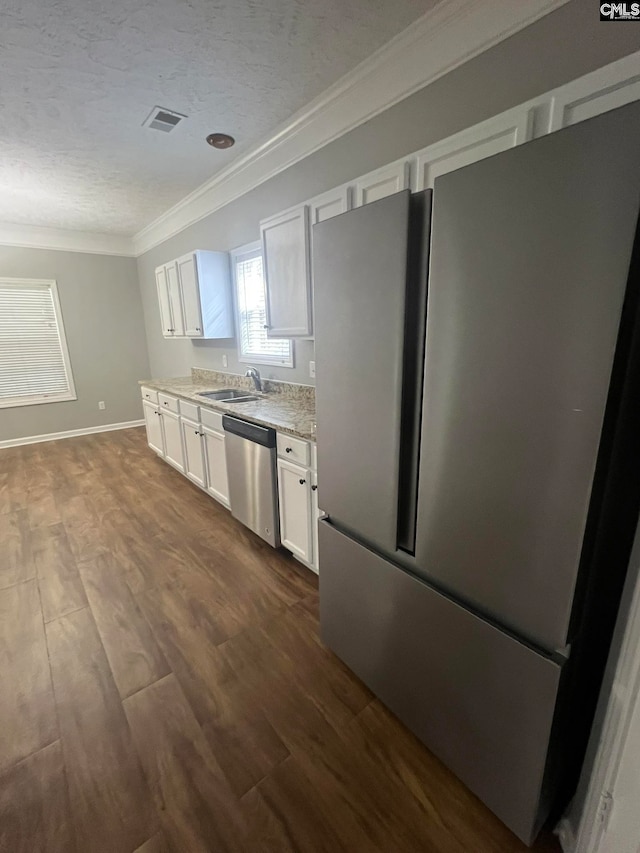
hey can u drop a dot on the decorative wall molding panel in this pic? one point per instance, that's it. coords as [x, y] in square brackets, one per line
[65, 240]
[55, 436]
[490, 137]
[443, 39]
[605, 89]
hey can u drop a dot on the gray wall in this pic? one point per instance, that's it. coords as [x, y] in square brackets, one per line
[104, 324]
[562, 46]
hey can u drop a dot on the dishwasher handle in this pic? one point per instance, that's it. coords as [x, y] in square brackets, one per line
[252, 432]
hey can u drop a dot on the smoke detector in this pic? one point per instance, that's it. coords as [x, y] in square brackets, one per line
[162, 119]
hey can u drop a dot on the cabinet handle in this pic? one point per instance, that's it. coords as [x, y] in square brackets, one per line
[313, 488]
[164, 403]
[170, 330]
[288, 450]
[302, 482]
[196, 432]
[198, 329]
[266, 326]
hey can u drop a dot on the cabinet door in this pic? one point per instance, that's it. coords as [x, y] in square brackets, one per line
[189, 287]
[381, 183]
[175, 300]
[315, 515]
[330, 204]
[173, 451]
[163, 300]
[153, 423]
[285, 251]
[490, 137]
[602, 90]
[294, 494]
[192, 436]
[216, 465]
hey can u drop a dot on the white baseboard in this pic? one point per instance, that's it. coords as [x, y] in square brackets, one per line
[56, 436]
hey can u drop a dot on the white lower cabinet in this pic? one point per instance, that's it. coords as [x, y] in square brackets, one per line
[294, 493]
[173, 451]
[215, 465]
[192, 439]
[153, 423]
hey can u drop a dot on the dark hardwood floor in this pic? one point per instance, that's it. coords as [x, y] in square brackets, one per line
[164, 688]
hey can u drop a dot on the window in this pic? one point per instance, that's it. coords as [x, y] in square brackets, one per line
[253, 343]
[34, 360]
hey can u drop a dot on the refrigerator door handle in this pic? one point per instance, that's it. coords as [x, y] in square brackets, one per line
[413, 367]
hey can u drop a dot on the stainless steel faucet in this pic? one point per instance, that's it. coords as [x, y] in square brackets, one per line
[254, 373]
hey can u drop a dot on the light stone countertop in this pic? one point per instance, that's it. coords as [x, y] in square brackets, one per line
[286, 408]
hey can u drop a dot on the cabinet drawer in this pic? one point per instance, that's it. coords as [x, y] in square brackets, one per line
[211, 419]
[190, 410]
[149, 394]
[166, 401]
[293, 449]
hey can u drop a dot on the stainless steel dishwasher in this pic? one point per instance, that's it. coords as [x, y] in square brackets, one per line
[251, 466]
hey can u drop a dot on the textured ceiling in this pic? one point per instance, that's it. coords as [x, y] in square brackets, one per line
[78, 77]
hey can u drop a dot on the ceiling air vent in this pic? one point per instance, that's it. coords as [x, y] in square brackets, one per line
[161, 119]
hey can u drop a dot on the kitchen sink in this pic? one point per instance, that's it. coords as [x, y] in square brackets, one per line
[229, 395]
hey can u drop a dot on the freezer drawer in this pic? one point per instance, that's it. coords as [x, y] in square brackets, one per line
[480, 700]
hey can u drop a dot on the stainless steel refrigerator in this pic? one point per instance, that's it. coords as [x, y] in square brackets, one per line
[477, 424]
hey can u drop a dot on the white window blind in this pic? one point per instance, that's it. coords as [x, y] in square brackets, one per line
[253, 343]
[34, 360]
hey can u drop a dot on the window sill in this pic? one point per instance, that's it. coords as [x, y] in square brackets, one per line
[19, 402]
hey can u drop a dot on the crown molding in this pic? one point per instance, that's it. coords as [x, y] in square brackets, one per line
[444, 38]
[64, 240]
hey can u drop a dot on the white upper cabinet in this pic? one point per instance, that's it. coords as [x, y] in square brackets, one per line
[605, 89]
[170, 301]
[175, 299]
[195, 296]
[383, 182]
[163, 300]
[483, 140]
[188, 275]
[330, 204]
[285, 254]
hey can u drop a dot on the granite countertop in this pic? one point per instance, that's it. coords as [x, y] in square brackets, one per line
[286, 408]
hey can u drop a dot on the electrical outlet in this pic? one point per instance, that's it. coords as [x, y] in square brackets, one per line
[225, 361]
[312, 369]
[102, 405]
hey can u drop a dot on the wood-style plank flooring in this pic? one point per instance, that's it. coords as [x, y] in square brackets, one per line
[164, 688]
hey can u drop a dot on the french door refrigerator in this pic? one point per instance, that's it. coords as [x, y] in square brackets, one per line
[477, 423]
